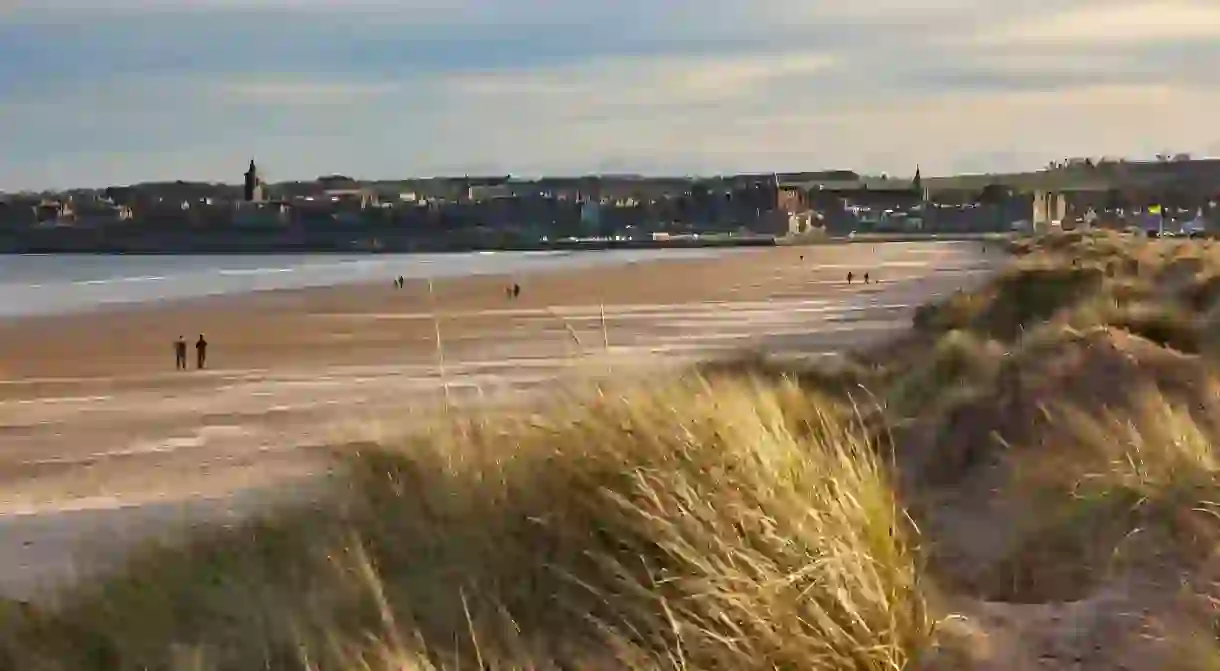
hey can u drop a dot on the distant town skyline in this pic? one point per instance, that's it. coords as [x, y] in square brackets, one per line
[146, 90]
[255, 186]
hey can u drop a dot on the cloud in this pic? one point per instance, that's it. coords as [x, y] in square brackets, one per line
[1156, 21]
[290, 92]
[636, 85]
[128, 90]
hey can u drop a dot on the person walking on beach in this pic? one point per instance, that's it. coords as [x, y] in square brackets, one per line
[849, 276]
[180, 353]
[516, 290]
[401, 282]
[866, 278]
[201, 353]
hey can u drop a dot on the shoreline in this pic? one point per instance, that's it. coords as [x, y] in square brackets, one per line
[146, 243]
[36, 341]
[552, 262]
[92, 411]
[755, 241]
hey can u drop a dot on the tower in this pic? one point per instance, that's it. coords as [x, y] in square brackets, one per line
[253, 190]
[917, 186]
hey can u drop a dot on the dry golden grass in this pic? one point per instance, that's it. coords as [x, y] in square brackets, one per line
[744, 515]
[1113, 495]
[1028, 294]
[1136, 484]
[958, 361]
[703, 524]
[1163, 322]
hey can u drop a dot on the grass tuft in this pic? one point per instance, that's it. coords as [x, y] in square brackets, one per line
[723, 523]
[1120, 491]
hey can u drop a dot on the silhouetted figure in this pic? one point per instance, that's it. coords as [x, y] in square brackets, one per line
[866, 278]
[201, 353]
[802, 257]
[401, 282]
[180, 353]
[516, 290]
[849, 277]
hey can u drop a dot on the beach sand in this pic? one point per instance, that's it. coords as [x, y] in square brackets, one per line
[93, 415]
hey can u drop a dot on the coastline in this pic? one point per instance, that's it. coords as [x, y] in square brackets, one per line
[303, 277]
[125, 240]
[37, 343]
[94, 416]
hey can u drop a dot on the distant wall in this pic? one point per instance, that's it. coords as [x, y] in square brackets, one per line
[1049, 206]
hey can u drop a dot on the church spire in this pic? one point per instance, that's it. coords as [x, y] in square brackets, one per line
[253, 188]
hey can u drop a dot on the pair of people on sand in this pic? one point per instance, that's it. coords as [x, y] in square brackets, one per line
[851, 276]
[201, 352]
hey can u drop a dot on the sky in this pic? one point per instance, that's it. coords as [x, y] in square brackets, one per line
[103, 92]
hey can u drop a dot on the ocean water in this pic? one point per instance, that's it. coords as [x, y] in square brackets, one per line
[34, 284]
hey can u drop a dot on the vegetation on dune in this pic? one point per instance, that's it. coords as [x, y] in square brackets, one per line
[1045, 441]
[1137, 489]
[1023, 297]
[720, 523]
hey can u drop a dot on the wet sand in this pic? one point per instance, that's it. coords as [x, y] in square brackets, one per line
[93, 415]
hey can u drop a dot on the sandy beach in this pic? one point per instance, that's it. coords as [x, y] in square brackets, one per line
[93, 415]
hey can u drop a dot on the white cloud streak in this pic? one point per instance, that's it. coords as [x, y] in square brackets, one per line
[1111, 25]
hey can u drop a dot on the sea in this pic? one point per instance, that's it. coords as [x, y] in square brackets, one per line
[41, 284]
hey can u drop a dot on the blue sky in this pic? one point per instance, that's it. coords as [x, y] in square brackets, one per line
[97, 92]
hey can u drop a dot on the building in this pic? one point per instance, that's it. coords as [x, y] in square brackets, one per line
[351, 199]
[252, 192]
[261, 215]
[591, 217]
[18, 212]
[786, 209]
[483, 192]
[99, 211]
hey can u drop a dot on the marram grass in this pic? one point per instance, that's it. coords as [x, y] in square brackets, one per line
[722, 523]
